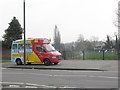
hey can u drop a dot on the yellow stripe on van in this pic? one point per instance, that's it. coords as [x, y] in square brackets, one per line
[30, 57]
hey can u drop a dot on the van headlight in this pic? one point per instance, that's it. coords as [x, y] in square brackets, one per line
[54, 57]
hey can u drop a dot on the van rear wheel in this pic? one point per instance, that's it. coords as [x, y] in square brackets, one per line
[18, 62]
[47, 62]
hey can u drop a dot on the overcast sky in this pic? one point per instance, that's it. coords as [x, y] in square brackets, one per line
[73, 17]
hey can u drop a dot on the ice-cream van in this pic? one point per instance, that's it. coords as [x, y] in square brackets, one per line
[38, 50]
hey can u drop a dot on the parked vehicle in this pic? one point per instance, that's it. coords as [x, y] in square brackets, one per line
[37, 51]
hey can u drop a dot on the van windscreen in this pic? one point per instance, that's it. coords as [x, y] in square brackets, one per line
[49, 47]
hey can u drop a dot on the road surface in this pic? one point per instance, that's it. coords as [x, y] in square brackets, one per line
[61, 78]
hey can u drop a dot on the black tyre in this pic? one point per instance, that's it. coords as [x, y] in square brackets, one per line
[55, 63]
[29, 63]
[18, 62]
[47, 62]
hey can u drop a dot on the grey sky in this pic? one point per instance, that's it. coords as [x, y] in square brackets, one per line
[73, 17]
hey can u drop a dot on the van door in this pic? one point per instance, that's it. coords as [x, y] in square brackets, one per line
[29, 53]
[40, 52]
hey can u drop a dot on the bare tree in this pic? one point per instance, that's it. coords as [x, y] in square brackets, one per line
[118, 15]
[57, 38]
[117, 24]
[94, 38]
[80, 38]
[83, 45]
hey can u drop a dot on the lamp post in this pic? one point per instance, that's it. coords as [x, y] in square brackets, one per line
[24, 30]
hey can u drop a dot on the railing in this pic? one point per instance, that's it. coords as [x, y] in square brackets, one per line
[90, 55]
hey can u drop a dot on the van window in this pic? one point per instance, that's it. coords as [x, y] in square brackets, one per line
[14, 46]
[39, 48]
[21, 48]
[28, 48]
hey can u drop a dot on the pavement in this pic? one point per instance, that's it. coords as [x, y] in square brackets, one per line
[105, 65]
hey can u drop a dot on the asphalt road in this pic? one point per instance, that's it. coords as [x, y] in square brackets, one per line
[61, 78]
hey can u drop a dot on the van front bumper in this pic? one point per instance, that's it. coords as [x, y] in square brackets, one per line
[57, 60]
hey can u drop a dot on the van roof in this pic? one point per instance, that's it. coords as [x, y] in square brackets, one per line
[42, 40]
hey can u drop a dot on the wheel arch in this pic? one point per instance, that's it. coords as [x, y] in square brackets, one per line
[19, 58]
[45, 59]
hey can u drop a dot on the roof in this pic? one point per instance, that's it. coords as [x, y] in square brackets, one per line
[36, 40]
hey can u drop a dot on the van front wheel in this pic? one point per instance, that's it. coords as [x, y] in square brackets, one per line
[47, 62]
[55, 63]
[29, 63]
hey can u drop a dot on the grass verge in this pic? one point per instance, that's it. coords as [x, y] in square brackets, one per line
[99, 56]
[4, 61]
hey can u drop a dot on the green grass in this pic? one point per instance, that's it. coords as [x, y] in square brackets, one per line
[93, 56]
[99, 56]
[111, 56]
[5, 61]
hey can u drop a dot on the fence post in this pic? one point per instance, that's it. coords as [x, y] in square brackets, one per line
[103, 54]
[83, 55]
[64, 55]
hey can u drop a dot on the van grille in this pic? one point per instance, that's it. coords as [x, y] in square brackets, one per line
[59, 56]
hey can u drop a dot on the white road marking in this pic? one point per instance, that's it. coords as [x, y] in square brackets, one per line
[11, 83]
[84, 71]
[30, 87]
[76, 76]
[35, 84]
[46, 86]
[3, 68]
[107, 77]
[27, 85]
[14, 86]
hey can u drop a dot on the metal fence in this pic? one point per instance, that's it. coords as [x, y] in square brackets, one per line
[90, 55]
